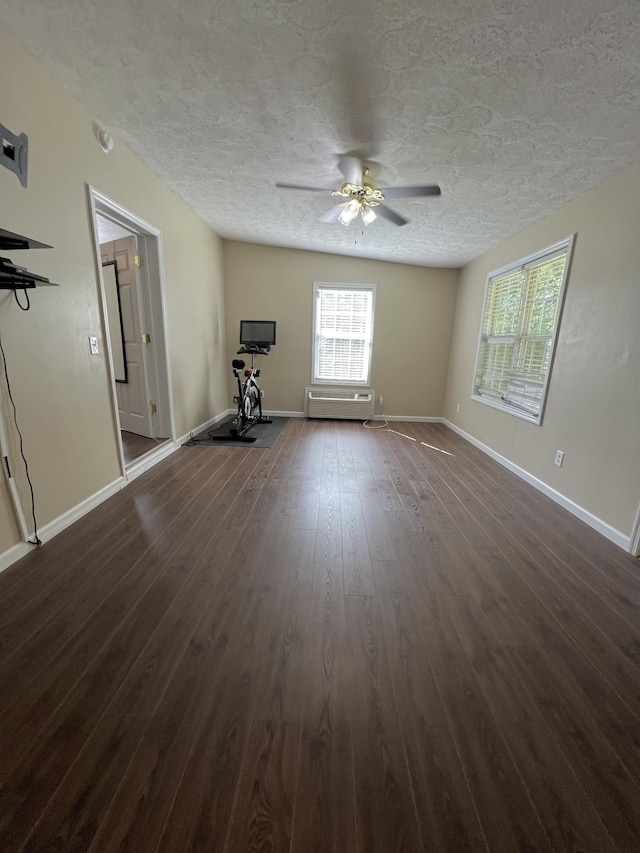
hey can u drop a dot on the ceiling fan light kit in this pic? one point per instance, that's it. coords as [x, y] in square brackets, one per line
[368, 215]
[362, 195]
[350, 211]
[361, 198]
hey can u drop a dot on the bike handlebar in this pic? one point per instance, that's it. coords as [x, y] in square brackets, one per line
[253, 349]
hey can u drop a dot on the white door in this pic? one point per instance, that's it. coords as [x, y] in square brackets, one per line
[133, 395]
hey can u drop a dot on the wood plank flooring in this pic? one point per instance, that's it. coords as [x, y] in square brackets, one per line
[134, 446]
[351, 642]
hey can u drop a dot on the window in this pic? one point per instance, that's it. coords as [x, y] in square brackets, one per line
[343, 332]
[522, 308]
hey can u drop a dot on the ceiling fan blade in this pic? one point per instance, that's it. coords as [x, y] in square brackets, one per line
[357, 83]
[304, 189]
[391, 215]
[351, 168]
[410, 192]
[332, 215]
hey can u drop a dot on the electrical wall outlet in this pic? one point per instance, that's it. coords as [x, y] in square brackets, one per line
[559, 458]
[93, 345]
[381, 400]
[458, 407]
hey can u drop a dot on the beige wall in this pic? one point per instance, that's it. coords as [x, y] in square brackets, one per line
[61, 391]
[413, 321]
[593, 405]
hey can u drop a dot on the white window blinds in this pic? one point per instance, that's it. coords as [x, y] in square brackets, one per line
[519, 326]
[343, 333]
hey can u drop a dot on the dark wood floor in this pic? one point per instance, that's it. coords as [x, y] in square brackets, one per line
[349, 642]
[134, 446]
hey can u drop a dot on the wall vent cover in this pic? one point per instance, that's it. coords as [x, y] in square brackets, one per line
[341, 403]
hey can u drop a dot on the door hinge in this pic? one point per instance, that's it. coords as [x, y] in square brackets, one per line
[138, 260]
[146, 338]
[152, 408]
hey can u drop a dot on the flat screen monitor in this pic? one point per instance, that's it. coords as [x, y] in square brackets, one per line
[262, 333]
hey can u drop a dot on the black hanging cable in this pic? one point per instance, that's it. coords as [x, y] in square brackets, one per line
[35, 540]
[22, 307]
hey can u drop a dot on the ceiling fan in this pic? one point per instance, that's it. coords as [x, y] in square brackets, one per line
[361, 195]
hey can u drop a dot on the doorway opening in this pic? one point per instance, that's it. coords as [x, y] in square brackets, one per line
[129, 252]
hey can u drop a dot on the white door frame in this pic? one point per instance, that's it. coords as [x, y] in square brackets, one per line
[634, 547]
[154, 296]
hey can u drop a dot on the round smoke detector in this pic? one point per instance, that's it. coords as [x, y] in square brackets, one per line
[105, 140]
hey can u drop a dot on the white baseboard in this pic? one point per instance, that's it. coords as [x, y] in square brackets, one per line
[170, 447]
[65, 520]
[62, 522]
[17, 552]
[59, 524]
[634, 546]
[68, 518]
[407, 418]
[575, 509]
[150, 459]
[206, 425]
[273, 414]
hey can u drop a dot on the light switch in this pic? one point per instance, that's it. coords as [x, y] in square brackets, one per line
[93, 345]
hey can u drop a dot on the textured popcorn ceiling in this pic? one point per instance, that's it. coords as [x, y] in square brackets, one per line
[514, 108]
[108, 230]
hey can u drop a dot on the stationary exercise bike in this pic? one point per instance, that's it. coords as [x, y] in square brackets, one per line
[249, 398]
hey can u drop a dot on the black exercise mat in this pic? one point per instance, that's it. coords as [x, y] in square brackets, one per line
[266, 435]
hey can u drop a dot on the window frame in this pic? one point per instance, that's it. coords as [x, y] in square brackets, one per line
[326, 285]
[566, 246]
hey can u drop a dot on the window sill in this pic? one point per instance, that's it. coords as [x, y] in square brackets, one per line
[349, 383]
[509, 410]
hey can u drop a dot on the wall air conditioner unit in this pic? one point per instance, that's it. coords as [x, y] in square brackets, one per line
[344, 403]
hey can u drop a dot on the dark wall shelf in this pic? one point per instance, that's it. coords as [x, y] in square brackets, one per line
[13, 277]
